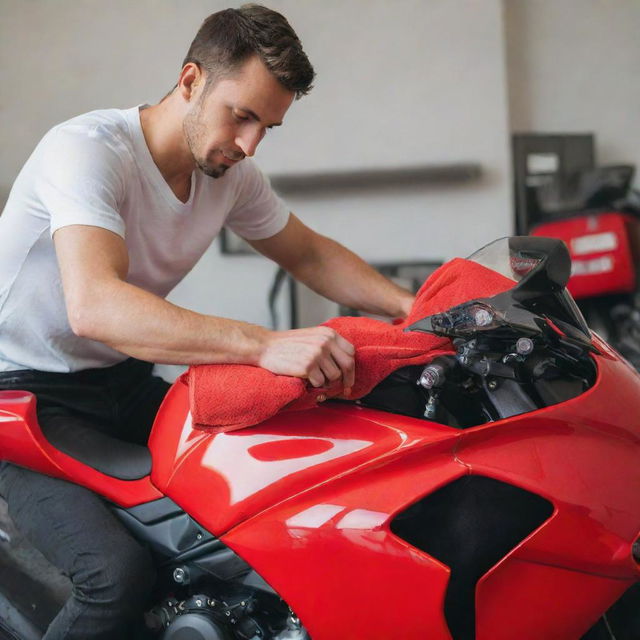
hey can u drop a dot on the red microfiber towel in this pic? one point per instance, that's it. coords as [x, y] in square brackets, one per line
[225, 397]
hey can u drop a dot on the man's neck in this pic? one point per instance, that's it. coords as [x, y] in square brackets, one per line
[162, 129]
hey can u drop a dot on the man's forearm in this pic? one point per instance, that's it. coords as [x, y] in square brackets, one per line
[102, 306]
[333, 271]
[143, 325]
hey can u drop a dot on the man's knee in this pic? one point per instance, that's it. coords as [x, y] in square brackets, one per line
[120, 581]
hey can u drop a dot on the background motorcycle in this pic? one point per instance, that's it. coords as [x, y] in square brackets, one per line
[597, 214]
[492, 494]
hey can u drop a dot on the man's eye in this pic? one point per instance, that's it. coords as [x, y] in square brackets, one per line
[239, 116]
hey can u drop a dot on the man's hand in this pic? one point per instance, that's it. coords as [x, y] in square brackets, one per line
[103, 306]
[318, 354]
[406, 304]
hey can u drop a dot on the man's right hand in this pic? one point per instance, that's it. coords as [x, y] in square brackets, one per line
[318, 354]
[103, 306]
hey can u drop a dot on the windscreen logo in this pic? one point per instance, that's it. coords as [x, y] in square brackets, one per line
[521, 265]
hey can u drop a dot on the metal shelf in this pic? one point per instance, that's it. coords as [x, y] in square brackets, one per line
[414, 176]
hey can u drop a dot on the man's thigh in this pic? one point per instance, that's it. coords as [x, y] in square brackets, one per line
[138, 405]
[71, 526]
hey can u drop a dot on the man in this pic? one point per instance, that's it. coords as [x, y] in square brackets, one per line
[110, 212]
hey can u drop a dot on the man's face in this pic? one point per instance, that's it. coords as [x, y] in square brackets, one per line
[226, 123]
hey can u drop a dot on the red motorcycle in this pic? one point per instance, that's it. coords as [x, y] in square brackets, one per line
[492, 494]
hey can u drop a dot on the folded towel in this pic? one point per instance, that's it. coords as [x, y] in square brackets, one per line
[225, 397]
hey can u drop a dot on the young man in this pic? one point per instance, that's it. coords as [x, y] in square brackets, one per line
[110, 212]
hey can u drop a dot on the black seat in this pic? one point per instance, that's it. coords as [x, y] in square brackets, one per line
[113, 457]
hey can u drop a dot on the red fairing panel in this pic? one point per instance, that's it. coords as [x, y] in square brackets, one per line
[221, 480]
[24, 444]
[579, 562]
[306, 498]
[528, 601]
[554, 584]
[334, 542]
[585, 453]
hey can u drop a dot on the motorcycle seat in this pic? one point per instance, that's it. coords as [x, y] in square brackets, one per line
[118, 470]
[113, 457]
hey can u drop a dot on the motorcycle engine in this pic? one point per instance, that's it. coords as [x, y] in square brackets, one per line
[204, 618]
[195, 626]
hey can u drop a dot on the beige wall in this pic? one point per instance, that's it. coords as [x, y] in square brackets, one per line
[574, 66]
[399, 83]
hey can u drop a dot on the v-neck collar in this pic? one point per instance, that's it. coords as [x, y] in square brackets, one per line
[150, 168]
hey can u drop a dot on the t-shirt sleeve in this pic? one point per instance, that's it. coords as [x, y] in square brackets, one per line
[81, 180]
[257, 212]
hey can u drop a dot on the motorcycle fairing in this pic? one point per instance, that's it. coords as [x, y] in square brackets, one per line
[321, 523]
[560, 577]
[346, 555]
[529, 601]
[363, 562]
[225, 478]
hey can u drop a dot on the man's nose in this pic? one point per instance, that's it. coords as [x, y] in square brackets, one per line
[249, 139]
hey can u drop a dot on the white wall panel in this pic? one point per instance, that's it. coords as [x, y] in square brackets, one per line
[573, 66]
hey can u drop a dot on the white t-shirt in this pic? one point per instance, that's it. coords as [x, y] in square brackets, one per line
[97, 170]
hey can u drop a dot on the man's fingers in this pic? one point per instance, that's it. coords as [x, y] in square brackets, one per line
[330, 369]
[347, 366]
[319, 354]
[316, 377]
[345, 345]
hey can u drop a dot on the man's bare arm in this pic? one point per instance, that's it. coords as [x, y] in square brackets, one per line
[102, 306]
[333, 271]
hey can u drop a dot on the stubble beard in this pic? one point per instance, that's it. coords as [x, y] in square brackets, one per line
[194, 132]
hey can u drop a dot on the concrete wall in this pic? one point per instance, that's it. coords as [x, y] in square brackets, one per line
[572, 67]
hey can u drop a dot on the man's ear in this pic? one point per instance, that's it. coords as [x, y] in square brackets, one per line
[190, 81]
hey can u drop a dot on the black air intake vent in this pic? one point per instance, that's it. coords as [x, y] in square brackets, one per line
[470, 525]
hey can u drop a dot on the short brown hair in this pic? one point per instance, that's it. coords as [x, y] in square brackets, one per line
[227, 38]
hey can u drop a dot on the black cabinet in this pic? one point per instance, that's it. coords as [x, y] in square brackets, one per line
[540, 158]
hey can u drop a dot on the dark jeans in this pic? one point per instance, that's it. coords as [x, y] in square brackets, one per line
[111, 573]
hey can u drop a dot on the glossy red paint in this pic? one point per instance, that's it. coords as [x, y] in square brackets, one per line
[242, 473]
[23, 443]
[529, 601]
[365, 581]
[280, 498]
[563, 453]
[307, 499]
